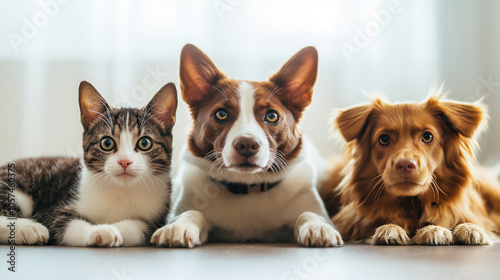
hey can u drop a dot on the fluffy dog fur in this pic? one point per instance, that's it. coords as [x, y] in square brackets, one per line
[409, 175]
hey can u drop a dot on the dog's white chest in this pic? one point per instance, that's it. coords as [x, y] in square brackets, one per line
[246, 216]
[253, 215]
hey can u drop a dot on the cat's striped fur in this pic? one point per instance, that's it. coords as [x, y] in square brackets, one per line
[98, 200]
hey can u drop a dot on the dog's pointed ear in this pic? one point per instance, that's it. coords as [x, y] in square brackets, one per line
[464, 118]
[197, 74]
[92, 104]
[295, 80]
[163, 106]
[351, 122]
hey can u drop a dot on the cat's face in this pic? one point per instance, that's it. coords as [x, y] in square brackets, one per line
[128, 146]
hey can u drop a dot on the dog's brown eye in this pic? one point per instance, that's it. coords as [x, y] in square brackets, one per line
[272, 117]
[221, 115]
[384, 140]
[427, 137]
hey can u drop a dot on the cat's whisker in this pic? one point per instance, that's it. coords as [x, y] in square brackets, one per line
[152, 115]
[146, 111]
[108, 112]
[102, 117]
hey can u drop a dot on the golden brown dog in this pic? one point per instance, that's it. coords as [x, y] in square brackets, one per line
[409, 175]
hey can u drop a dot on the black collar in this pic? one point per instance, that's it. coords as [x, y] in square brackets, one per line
[240, 188]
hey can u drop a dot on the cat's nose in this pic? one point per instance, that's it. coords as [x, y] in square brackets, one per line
[124, 163]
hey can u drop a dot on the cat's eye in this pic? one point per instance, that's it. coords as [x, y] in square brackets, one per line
[221, 115]
[107, 144]
[144, 143]
[384, 140]
[427, 137]
[272, 117]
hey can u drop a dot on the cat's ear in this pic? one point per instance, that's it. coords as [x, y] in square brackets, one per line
[92, 104]
[163, 106]
[198, 74]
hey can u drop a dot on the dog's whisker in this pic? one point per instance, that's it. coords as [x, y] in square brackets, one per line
[374, 178]
[373, 188]
[379, 192]
[437, 186]
[434, 191]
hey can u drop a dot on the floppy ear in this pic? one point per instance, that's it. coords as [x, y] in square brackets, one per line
[198, 74]
[351, 122]
[296, 78]
[92, 104]
[163, 106]
[464, 118]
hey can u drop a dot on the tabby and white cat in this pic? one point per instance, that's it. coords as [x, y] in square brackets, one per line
[116, 195]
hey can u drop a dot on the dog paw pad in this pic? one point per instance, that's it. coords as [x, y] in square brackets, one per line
[470, 234]
[390, 235]
[177, 235]
[433, 235]
[318, 234]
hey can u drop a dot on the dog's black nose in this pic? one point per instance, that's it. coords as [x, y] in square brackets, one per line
[246, 146]
[405, 166]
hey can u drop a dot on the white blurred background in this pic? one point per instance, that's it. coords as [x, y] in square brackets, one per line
[129, 49]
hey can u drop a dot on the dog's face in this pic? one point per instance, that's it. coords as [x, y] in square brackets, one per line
[406, 147]
[410, 145]
[245, 126]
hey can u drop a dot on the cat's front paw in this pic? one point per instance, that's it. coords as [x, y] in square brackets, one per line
[470, 234]
[177, 235]
[29, 232]
[433, 235]
[312, 231]
[390, 234]
[104, 236]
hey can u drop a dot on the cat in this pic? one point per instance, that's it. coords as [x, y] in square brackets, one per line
[117, 194]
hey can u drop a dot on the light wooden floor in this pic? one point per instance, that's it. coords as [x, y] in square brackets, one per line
[255, 262]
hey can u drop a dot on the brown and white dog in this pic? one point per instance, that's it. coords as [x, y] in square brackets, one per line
[247, 173]
[409, 175]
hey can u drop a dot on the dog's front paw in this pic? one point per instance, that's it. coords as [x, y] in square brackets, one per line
[312, 231]
[470, 234]
[104, 236]
[390, 234]
[433, 235]
[177, 235]
[29, 232]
